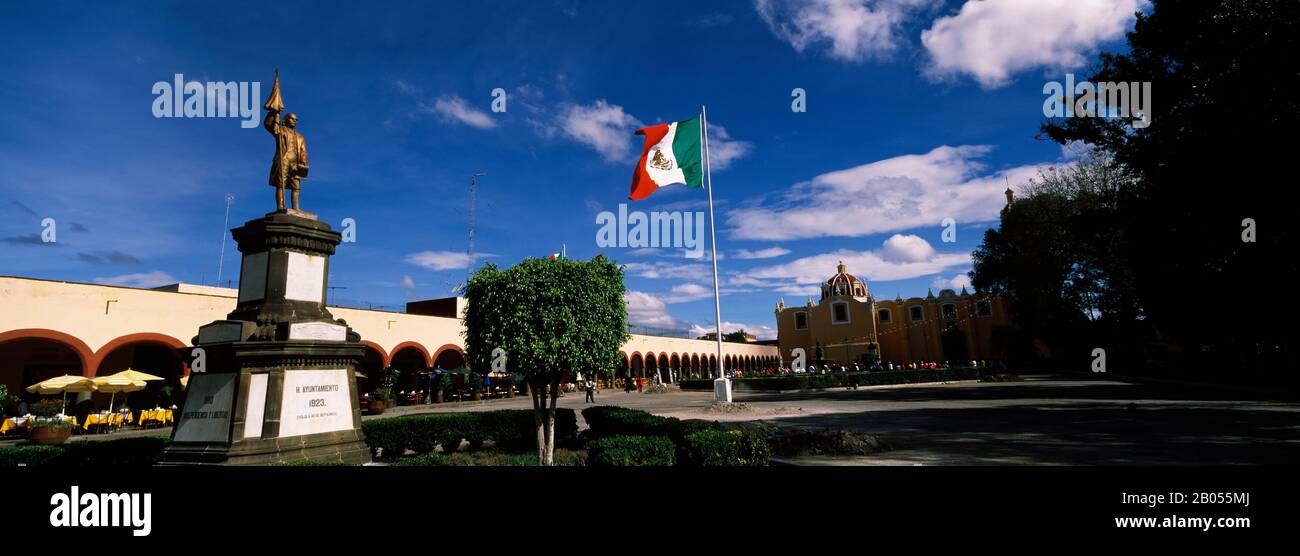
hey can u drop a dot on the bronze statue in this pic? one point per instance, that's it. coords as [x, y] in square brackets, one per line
[289, 167]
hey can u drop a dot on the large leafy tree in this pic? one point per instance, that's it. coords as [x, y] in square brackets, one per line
[1216, 155]
[1054, 254]
[551, 319]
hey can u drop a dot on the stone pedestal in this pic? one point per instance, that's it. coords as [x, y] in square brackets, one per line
[722, 390]
[280, 371]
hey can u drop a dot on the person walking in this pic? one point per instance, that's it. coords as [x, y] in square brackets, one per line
[590, 386]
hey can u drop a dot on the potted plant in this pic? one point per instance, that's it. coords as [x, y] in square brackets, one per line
[47, 426]
[8, 403]
[379, 399]
[474, 382]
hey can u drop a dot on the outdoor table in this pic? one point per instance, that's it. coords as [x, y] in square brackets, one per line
[107, 420]
[160, 417]
[13, 423]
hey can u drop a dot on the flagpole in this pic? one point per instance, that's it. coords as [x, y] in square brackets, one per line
[721, 385]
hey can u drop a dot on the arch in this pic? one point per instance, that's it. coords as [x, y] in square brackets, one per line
[138, 337]
[409, 345]
[383, 355]
[448, 356]
[372, 366]
[77, 346]
[695, 365]
[636, 366]
[651, 365]
[409, 358]
[675, 365]
[148, 352]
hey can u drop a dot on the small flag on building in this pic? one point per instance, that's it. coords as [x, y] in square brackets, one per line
[671, 155]
[554, 256]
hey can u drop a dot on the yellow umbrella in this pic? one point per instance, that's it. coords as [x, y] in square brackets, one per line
[114, 384]
[132, 374]
[62, 385]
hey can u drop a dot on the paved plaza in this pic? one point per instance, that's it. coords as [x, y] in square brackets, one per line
[1045, 420]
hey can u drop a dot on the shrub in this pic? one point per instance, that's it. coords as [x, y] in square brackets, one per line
[605, 420]
[814, 381]
[423, 460]
[733, 448]
[13, 456]
[510, 429]
[617, 451]
[141, 451]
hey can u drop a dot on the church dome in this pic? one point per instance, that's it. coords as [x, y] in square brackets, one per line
[843, 284]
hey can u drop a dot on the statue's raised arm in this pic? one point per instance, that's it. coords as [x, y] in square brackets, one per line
[289, 167]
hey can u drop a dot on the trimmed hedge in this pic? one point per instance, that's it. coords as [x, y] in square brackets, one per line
[814, 381]
[622, 451]
[142, 451]
[712, 448]
[510, 429]
[611, 421]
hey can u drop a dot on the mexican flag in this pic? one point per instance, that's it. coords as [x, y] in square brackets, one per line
[671, 155]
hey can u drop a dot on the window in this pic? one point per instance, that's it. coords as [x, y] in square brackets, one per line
[800, 320]
[949, 311]
[916, 314]
[884, 315]
[839, 313]
[984, 308]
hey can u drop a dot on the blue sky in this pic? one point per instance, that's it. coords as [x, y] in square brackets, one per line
[917, 110]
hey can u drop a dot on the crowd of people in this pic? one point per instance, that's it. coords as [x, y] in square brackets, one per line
[995, 365]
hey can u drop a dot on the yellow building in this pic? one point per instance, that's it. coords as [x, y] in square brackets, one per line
[847, 323]
[50, 328]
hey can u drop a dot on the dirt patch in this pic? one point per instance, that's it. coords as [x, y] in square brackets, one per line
[728, 408]
[663, 389]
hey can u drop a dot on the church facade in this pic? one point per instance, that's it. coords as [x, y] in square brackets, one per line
[848, 324]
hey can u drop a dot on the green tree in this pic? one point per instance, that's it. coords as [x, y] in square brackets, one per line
[737, 337]
[1054, 255]
[551, 319]
[1224, 117]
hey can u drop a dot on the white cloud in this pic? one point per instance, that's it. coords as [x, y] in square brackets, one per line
[723, 150]
[855, 30]
[455, 108]
[601, 126]
[443, 260]
[406, 88]
[906, 249]
[761, 332]
[407, 282]
[139, 280]
[692, 272]
[992, 39]
[868, 265]
[769, 253]
[644, 309]
[956, 283]
[684, 293]
[900, 193]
